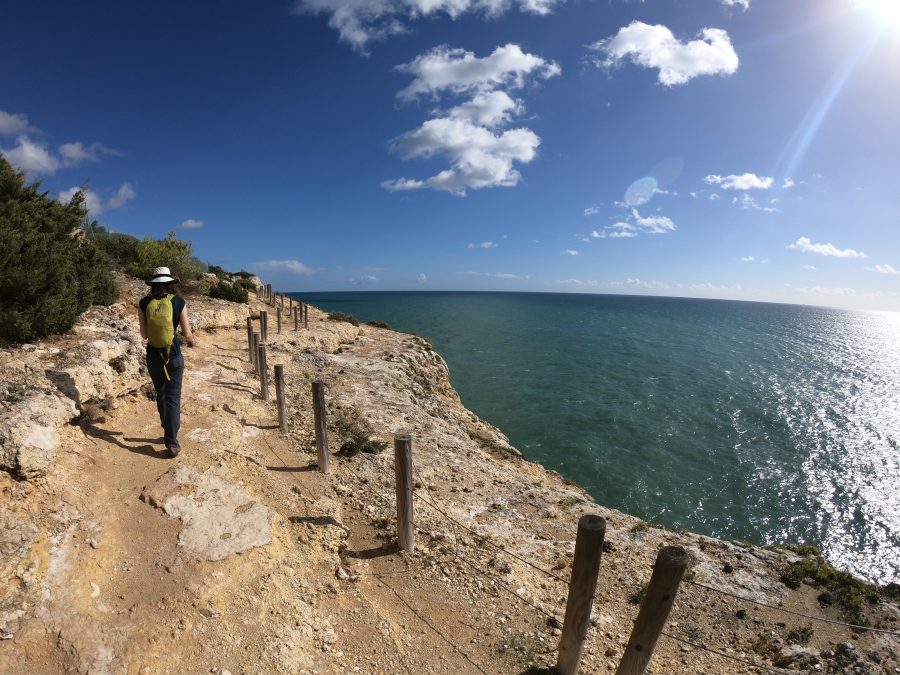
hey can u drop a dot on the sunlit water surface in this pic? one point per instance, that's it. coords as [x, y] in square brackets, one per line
[769, 423]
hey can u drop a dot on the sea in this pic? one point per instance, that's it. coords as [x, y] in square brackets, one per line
[767, 423]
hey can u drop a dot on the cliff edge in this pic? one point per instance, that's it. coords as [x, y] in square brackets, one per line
[239, 556]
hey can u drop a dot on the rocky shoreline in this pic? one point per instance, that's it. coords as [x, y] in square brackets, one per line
[117, 560]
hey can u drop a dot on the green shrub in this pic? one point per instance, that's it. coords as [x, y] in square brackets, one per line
[227, 291]
[246, 284]
[379, 324]
[50, 271]
[167, 252]
[121, 248]
[243, 274]
[347, 318]
[218, 271]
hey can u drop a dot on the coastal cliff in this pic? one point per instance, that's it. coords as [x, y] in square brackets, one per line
[237, 557]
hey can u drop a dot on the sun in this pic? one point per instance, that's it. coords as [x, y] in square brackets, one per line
[886, 12]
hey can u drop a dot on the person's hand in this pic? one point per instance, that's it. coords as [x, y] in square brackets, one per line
[189, 341]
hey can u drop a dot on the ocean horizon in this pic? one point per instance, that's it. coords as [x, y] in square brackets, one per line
[763, 422]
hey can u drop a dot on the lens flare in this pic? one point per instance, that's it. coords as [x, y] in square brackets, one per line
[641, 191]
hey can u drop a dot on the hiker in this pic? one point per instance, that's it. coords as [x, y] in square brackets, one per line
[161, 312]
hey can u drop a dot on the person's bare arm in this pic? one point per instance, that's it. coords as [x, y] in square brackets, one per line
[143, 321]
[186, 328]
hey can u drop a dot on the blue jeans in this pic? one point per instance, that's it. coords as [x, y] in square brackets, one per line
[168, 391]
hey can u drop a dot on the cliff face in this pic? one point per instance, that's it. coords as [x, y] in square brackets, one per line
[239, 556]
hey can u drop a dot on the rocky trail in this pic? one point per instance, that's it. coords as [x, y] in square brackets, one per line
[239, 556]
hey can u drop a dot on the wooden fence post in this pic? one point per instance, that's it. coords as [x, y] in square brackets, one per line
[582, 586]
[263, 326]
[250, 337]
[263, 373]
[296, 319]
[290, 304]
[279, 397]
[406, 532]
[305, 315]
[278, 317]
[321, 424]
[256, 343]
[671, 562]
[282, 301]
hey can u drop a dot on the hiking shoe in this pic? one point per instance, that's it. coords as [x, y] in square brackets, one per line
[174, 450]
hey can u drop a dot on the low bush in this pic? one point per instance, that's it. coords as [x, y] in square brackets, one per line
[167, 252]
[246, 284]
[227, 291]
[50, 272]
[347, 318]
[379, 324]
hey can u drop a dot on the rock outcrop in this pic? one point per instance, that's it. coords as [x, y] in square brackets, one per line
[46, 385]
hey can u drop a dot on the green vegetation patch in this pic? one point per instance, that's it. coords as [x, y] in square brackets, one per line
[356, 434]
[50, 271]
[379, 324]
[346, 318]
[228, 291]
[840, 589]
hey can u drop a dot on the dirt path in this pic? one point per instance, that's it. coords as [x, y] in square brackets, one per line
[328, 594]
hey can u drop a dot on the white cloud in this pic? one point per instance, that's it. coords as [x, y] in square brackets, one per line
[471, 135]
[360, 21]
[746, 181]
[639, 283]
[289, 266]
[484, 244]
[804, 244]
[591, 211]
[883, 269]
[571, 252]
[714, 196]
[422, 278]
[677, 62]
[191, 224]
[488, 109]
[366, 280]
[627, 229]
[37, 158]
[460, 72]
[811, 268]
[32, 157]
[788, 184]
[653, 224]
[14, 124]
[496, 275]
[747, 202]
[743, 4]
[124, 194]
[577, 282]
[94, 202]
[748, 258]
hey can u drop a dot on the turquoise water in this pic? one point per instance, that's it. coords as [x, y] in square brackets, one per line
[770, 423]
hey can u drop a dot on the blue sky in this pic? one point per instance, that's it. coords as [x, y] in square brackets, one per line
[481, 145]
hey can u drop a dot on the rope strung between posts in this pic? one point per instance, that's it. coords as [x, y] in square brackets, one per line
[487, 541]
[704, 648]
[488, 575]
[431, 626]
[800, 614]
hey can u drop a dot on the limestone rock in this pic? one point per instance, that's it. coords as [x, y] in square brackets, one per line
[29, 436]
[218, 517]
[16, 537]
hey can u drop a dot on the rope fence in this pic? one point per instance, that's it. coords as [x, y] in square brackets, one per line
[660, 594]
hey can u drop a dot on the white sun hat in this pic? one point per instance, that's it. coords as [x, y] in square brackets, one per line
[162, 275]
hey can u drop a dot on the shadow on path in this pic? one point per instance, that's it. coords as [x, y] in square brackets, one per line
[111, 437]
[375, 552]
[294, 469]
[236, 387]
